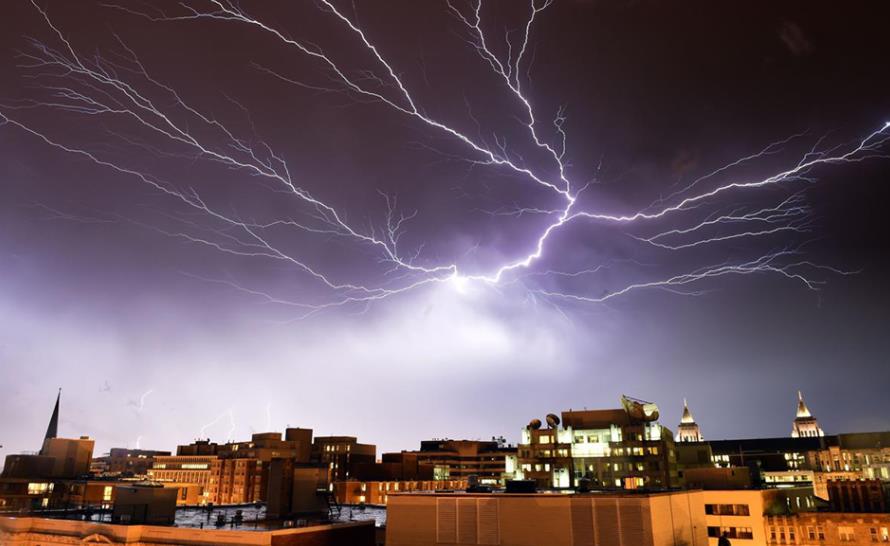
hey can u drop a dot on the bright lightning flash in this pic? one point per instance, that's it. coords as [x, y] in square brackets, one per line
[118, 86]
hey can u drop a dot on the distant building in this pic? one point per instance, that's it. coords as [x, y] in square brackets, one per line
[460, 459]
[867, 496]
[688, 431]
[240, 472]
[377, 492]
[125, 462]
[804, 425]
[185, 469]
[613, 448]
[828, 529]
[341, 454]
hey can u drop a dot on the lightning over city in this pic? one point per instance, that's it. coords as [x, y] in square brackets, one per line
[445, 221]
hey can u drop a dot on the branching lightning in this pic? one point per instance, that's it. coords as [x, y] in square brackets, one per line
[119, 86]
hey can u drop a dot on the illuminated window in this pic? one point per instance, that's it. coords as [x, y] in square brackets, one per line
[106, 493]
[846, 534]
[39, 488]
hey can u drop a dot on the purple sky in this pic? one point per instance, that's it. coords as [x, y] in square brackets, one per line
[155, 317]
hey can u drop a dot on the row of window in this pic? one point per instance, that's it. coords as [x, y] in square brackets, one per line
[742, 533]
[727, 510]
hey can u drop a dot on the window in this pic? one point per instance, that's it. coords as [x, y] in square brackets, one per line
[772, 534]
[727, 510]
[821, 532]
[811, 533]
[106, 493]
[39, 488]
[874, 534]
[741, 533]
[885, 534]
[846, 534]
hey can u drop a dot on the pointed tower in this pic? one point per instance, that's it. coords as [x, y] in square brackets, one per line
[805, 425]
[52, 431]
[688, 431]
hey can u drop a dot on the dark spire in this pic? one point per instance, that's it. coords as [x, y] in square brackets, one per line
[52, 430]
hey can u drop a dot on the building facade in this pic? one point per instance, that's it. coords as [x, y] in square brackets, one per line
[546, 519]
[341, 455]
[614, 448]
[489, 461]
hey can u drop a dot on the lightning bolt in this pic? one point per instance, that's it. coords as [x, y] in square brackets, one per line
[121, 87]
[230, 413]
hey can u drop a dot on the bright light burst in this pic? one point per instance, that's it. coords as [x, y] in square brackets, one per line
[118, 85]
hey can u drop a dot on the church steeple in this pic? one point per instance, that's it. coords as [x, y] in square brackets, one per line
[804, 425]
[688, 431]
[52, 431]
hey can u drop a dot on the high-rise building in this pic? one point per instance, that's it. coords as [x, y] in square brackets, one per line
[688, 431]
[804, 425]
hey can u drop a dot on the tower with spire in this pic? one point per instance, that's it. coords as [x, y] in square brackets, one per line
[805, 425]
[52, 430]
[688, 431]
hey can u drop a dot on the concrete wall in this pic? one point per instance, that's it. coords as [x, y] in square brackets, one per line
[546, 520]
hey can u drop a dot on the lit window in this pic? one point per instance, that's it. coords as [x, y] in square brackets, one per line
[39, 488]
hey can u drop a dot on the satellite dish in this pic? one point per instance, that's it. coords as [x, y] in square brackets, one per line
[552, 420]
[534, 424]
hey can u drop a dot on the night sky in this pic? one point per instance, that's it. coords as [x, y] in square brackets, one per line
[158, 317]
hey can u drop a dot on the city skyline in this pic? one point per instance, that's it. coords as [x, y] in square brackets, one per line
[132, 277]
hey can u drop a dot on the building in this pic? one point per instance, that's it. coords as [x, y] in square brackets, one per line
[240, 472]
[184, 469]
[341, 455]
[141, 504]
[125, 462]
[619, 518]
[815, 459]
[237, 481]
[198, 447]
[460, 459]
[44, 480]
[613, 448]
[857, 496]
[865, 453]
[741, 513]
[828, 529]
[688, 431]
[377, 492]
[804, 425]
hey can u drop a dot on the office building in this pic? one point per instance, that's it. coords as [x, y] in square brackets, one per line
[613, 448]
